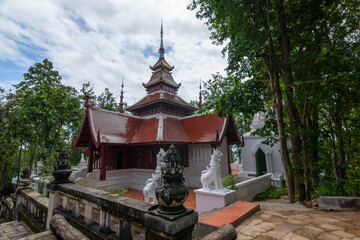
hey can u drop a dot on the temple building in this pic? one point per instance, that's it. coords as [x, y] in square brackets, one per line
[123, 144]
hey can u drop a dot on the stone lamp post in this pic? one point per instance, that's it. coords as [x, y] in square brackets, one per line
[170, 220]
[171, 191]
[25, 181]
[62, 170]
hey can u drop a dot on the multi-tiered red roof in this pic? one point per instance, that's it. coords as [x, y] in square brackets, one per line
[160, 118]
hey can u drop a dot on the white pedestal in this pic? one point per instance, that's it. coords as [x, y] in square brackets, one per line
[210, 200]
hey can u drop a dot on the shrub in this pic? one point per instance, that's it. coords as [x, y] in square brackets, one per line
[271, 193]
[118, 191]
[229, 182]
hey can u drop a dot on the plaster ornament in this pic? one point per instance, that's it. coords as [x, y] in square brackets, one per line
[62, 170]
[213, 174]
[151, 183]
[171, 191]
[82, 160]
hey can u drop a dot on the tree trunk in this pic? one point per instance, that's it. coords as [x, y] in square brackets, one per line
[314, 147]
[4, 174]
[276, 95]
[306, 166]
[63, 229]
[290, 106]
[341, 166]
[226, 232]
[19, 160]
[33, 157]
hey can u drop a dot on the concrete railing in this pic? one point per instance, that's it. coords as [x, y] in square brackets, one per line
[6, 207]
[248, 189]
[32, 208]
[101, 215]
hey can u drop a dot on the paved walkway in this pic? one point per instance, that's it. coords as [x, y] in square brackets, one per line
[268, 224]
[13, 230]
[280, 220]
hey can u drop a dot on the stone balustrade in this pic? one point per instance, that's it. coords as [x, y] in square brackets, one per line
[245, 191]
[6, 207]
[32, 208]
[99, 214]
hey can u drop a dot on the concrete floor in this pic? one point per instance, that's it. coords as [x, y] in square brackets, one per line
[268, 224]
[280, 220]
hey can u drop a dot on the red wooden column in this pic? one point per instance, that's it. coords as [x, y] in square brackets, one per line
[103, 164]
[90, 161]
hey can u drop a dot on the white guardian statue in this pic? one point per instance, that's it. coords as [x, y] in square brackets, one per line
[213, 174]
[151, 183]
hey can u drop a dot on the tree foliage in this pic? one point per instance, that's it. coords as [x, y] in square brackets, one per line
[40, 119]
[299, 62]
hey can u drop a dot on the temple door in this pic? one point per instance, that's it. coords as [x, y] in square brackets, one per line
[260, 162]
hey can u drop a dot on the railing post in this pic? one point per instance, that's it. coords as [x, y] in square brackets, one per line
[125, 229]
[88, 214]
[104, 220]
[53, 204]
[76, 208]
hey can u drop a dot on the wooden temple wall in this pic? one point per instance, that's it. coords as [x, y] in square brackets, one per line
[143, 157]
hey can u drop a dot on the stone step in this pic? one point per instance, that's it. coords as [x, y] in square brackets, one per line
[232, 214]
[47, 235]
[14, 230]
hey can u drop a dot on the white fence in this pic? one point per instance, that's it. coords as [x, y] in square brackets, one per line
[248, 189]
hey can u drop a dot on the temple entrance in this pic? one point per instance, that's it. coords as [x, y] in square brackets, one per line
[260, 162]
[119, 161]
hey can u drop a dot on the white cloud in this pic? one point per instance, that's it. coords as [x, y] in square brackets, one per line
[101, 41]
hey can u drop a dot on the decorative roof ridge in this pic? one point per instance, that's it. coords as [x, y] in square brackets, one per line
[198, 115]
[161, 49]
[138, 101]
[171, 83]
[155, 115]
[162, 62]
[162, 90]
[117, 113]
[185, 101]
[160, 129]
[222, 133]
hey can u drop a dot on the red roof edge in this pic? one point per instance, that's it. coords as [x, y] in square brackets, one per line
[87, 115]
[81, 129]
[238, 139]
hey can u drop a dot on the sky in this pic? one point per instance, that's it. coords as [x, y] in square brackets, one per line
[102, 41]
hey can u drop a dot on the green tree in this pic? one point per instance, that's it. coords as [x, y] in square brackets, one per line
[291, 49]
[50, 107]
[106, 100]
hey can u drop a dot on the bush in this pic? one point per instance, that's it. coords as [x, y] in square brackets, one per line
[229, 182]
[271, 193]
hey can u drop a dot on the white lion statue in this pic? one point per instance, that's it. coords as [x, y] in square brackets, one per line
[151, 183]
[213, 173]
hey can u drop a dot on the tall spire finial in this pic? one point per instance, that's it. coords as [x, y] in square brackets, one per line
[200, 96]
[161, 49]
[121, 104]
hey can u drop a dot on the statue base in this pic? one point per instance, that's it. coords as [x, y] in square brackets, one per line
[207, 200]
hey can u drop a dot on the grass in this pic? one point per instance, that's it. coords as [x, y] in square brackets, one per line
[118, 191]
[84, 184]
[271, 193]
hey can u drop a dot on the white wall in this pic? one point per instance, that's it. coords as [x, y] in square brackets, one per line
[199, 159]
[274, 163]
[224, 160]
[246, 191]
